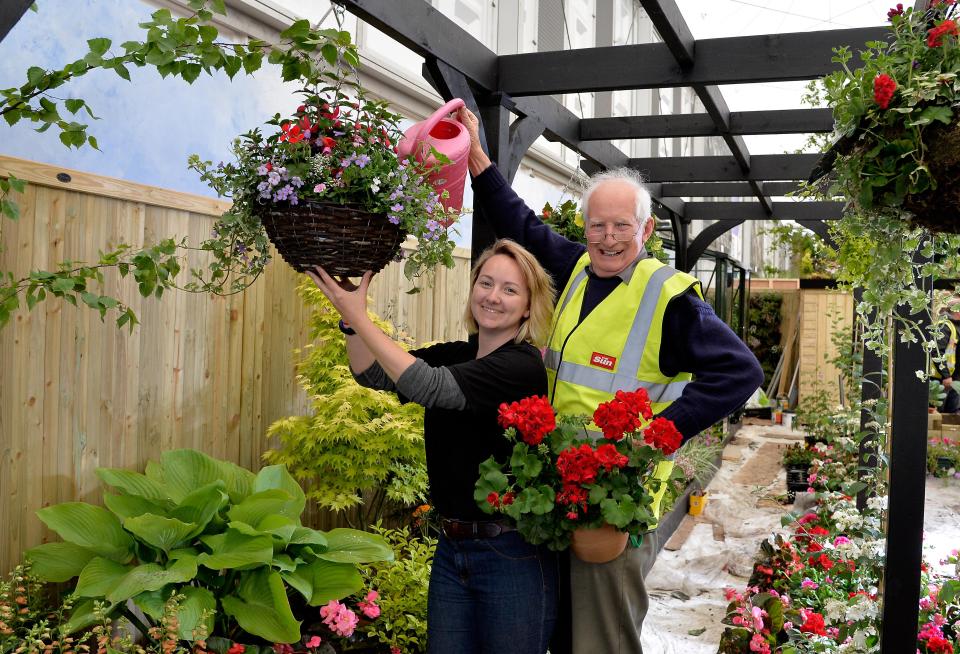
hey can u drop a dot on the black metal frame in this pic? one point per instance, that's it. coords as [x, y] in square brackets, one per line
[497, 86]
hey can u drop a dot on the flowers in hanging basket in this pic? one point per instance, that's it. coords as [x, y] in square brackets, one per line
[897, 141]
[338, 147]
[559, 479]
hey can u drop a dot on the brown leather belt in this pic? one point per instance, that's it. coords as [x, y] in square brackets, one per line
[461, 529]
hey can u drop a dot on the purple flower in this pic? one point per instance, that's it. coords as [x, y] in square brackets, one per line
[432, 225]
[263, 170]
[393, 219]
[296, 181]
[397, 207]
[273, 178]
[363, 160]
[396, 194]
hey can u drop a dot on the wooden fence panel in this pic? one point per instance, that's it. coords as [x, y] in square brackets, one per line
[206, 372]
[823, 311]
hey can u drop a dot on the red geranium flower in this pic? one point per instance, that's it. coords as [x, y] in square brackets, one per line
[663, 435]
[533, 417]
[812, 623]
[578, 465]
[883, 88]
[493, 499]
[896, 11]
[609, 458]
[935, 35]
[615, 419]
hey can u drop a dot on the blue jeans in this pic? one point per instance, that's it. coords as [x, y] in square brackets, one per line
[491, 596]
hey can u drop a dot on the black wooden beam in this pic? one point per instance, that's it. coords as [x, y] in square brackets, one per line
[405, 21]
[779, 121]
[753, 211]
[703, 240]
[722, 168]
[672, 28]
[731, 60]
[722, 189]
[11, 11]
[907, 486]
[819, 227]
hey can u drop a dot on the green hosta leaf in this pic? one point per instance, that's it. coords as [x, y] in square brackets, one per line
[89, 526]
[200, 506]
[236, 550]
[277, 477]
[280, 526]
[195, 602]
[307, 536]
[260, 505]
[58, 561]
[83, 616]
[184, 471]
[262, 609]
[352, 546]
[151, 602]
[322, 581]
[151, 576]
[162, 533]
[133, 483]
[130, 506]
[99, 577]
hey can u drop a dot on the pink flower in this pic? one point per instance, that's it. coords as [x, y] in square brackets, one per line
[758, 644]
[841, 540]
[758, 616]
[395, 650]
[341, 620]
[313, 642]
[807, 583]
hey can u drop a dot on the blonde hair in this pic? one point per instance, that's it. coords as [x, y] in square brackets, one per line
[534, 328]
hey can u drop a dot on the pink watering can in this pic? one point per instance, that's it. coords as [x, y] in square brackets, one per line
[449, 138]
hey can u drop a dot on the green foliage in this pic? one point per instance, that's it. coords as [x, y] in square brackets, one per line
[360, 451]
[229, 542]
[943, 457]
[810, 257]
[402, 584]
[763, 331]
[798, 455]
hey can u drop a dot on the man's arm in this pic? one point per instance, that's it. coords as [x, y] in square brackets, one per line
[509, 215]
[725, 371]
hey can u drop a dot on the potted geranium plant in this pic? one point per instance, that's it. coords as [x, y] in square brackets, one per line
[898, 142]
[560, 484]
[326, 183]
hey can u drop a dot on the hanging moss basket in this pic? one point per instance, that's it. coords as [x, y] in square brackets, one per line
[938, 209]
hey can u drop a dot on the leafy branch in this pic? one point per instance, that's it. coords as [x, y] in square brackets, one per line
[179, 47]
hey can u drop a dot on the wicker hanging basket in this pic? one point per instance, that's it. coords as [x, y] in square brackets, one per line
[939, 209]
[343, 238]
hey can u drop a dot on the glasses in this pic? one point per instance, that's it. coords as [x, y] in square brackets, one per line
[621, 232]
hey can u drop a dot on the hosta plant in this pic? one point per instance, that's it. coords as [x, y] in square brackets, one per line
[228, 540]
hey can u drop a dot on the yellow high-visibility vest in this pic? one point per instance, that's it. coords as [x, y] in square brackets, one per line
[950, 355]
[616, 347]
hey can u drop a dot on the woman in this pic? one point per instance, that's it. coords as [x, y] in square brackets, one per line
[490, 591]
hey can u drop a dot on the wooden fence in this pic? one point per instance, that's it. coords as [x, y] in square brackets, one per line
[204, 372]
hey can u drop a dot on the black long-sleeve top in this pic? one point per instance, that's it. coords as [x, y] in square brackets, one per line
[694, 338]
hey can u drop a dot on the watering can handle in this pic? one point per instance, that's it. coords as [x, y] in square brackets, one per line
[432, 121]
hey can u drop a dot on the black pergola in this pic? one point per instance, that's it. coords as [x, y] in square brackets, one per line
[512, 96]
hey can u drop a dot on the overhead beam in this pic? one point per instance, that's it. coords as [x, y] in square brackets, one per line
[672, 28]
[723, 189]
[11, 11]
[782, 121]
[730, 60]
[703, 240]
[726, 169]
[724, 211]
[404, 21]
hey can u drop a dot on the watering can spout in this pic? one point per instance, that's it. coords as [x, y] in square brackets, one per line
[449, 138]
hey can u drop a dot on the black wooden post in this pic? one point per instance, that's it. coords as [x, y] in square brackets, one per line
[871, 390]
[908, 472]
[11, 11]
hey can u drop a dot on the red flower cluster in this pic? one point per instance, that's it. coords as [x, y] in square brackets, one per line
[883, 88]
[296, 132]
[609, 458]
[663, 435]
[896, 11]
[622, 414]
[935, 35]
[812, 623]
[578, 465]
[533, 417]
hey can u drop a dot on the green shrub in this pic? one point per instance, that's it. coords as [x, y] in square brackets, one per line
[226, 540]
[361, 451]
[402, 584]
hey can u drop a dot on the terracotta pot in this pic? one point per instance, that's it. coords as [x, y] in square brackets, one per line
[599, 545]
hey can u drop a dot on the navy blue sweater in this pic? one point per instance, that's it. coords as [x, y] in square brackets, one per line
[694, 339]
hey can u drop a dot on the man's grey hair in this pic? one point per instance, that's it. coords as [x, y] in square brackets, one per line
[642, 210]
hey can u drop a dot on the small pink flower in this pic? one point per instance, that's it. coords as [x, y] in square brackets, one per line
[807, 583]
[841, 540]
[787, 625]
[313, 642]
[372, 596]
[758, 615]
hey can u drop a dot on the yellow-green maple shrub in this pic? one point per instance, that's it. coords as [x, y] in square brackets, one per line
[360, 452]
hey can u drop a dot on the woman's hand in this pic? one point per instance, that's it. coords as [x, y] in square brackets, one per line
[478, 161]
[348, 298]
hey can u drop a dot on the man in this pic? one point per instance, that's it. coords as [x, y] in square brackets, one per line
[947, 369]
[623, 321]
